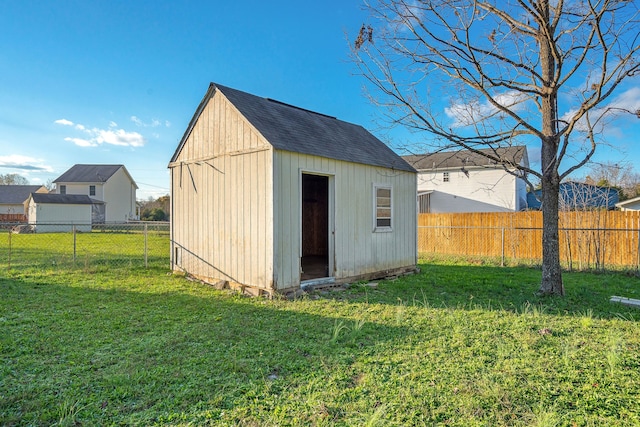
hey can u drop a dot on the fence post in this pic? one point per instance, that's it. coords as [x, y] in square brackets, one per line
[502, 262]
[73, 231]
[9, 265]
[146, 263]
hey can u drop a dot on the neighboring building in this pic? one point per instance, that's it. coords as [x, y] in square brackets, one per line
[59, 212]
[629, 205]
[268, 197]
[12, 198]
[111, 184]
[578, 196]
[465, 181]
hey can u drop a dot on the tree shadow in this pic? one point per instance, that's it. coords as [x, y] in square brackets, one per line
[513, 289]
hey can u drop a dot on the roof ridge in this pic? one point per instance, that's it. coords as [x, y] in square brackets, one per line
[300, 108]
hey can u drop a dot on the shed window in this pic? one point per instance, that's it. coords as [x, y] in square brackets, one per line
[383, 208]
[445, 176]
[63, 189]
[92, 190]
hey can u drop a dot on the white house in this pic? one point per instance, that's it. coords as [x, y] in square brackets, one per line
[629, 205]
[111, 184]
[464, 181]
[12, 198]
[268, 197]
[49, 213]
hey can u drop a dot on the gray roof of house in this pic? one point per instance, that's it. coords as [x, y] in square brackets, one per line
[88, 173]
[464, 158]
[16, 194]
[295, 129]
[65, 199]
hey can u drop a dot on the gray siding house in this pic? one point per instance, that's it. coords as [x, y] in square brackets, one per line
[268, 197]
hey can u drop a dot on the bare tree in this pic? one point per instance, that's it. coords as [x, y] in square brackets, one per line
[13, 179]
[616, 175]
[506, 68]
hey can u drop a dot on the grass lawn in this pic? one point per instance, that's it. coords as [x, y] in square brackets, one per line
[458, 345]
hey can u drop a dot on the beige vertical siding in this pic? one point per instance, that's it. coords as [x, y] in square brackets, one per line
[222, 210]
[358, 249]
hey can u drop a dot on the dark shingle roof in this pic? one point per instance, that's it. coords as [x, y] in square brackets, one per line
[464, 158]
[294, 129]
[16, 194]
[88, 173]
[65, 199]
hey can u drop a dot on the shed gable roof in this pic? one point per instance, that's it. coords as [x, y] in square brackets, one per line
[64, 199]
[464, 158]
[294, 129]
[91, 174]
[16, 194]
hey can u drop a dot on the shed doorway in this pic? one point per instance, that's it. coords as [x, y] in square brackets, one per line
[316, 245]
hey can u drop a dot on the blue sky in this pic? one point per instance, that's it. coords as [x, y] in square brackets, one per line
[118, 81]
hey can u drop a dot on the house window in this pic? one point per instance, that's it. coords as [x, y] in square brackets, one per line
[63, 189]
[445, 176]
[383, 208]
[92, 190]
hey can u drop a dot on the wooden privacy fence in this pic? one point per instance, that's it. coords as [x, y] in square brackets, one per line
[588, 239]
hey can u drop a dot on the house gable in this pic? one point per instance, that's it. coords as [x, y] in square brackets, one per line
[217, 129]
[294, 129]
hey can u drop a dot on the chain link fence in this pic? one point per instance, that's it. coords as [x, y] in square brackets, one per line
[64, 246]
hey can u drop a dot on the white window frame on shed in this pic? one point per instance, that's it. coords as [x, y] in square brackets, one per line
[379, 208]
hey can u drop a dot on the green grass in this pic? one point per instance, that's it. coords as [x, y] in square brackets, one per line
[458, 345]
[96, 249]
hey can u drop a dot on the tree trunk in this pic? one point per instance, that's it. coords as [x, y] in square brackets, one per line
[551, 271]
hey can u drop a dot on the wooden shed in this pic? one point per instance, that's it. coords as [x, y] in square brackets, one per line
[270, 197]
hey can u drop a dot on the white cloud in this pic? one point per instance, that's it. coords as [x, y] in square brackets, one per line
[119, 137]
[95, 136]
[154, 123]
[625, 102]
[81, 142]
[465, 114]
[17, 161]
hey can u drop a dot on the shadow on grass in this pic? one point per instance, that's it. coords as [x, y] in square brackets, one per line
[500, 288]
[115, 352]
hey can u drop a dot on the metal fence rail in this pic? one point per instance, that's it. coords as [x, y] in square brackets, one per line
[60, 246]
